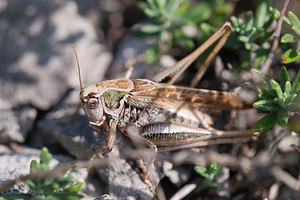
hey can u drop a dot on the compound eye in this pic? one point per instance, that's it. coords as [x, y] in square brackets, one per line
[93, 103]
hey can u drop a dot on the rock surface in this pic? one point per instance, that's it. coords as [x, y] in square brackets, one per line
[37, 63]
[16, 164]
[15, 124]
[130, 48]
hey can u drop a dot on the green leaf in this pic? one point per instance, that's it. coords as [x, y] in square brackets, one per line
[268, 23]
[199, 13]
[215, 169]
[261, 15]
[68, 173]
[30, 183]
[266, 105]
[45, 156]
[151, 13]
[165, 37]
[243, 38]
[34, 165]
[266, 94]
[265, 36]
[64, 196]
[288, 88]
[289, 56]
[177, 7]
[249, 21]
[142, 5]
[296, 83]
[207, 28]
[201, 171]
[290, 103]
[265, 123]
[267, 80]
[276, 14]
[149, 8]
[279, 101]
[151, 28]
[295, 22]
[248, 46]
[74, 188]
[276, 87]
[64, 181]
[161, 3]
[282, 118]
[235, 22]
[212, 185]
[152, 55]
[182, 40]
[287, 38]
[152, 4]
[259, 59]
[186, 43]
[16, 197]
[284, 77]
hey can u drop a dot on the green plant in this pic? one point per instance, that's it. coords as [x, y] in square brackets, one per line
[48, 188]
[291, 55]
[250, 34]
[178, 23]
[278, 99]
[210, 176]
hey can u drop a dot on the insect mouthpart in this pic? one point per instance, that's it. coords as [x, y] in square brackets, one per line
[92, 106]
[93, 102]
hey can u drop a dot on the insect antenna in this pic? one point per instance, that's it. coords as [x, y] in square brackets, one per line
[78, 67]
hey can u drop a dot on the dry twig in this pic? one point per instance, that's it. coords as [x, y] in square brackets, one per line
[286, 178]
[265, 67]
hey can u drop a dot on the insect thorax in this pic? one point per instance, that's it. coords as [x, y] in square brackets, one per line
[112, 98]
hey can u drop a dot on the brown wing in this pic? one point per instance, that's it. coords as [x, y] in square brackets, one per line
[146, 92]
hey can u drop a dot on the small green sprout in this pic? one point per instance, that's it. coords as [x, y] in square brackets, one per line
[249, 35]
[277, 99]
[178, 23]
[291, 55]
[48, 188]
[210, 176]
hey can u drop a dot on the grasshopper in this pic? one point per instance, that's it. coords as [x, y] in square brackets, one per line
[161, 115]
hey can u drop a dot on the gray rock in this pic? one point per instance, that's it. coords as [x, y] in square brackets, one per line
[223, 183]
[37, 63]
[130, 48]
[286, 144]
[15, 124]
[178, 176]
[16, 164]
[123, 176]
[105, 197]
[76, 137]
[4, 149]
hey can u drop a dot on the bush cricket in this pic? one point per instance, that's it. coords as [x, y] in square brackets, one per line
[161, 115]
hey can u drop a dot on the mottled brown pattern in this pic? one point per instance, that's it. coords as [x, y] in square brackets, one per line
[169, 96]
[117, 84]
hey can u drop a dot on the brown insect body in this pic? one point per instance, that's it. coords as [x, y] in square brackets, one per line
[155, 113]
